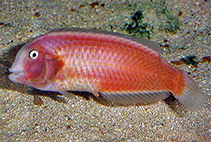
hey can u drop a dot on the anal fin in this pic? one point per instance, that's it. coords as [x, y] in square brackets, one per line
[135, 98]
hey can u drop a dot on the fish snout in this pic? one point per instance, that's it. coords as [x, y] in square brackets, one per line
[15, 70]
[16, 73]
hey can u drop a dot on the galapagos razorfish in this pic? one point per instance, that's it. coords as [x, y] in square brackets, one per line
[125, 70]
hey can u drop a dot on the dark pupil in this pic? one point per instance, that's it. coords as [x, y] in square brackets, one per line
[34, 55]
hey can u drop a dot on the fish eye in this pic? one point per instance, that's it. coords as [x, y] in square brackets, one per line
[33, 54]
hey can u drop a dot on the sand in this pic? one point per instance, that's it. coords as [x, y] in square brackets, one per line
[26, 117]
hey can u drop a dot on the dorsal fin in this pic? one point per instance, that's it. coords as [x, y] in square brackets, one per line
[150, 44]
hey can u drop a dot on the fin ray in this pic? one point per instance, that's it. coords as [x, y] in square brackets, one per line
[193, 97]
[135, 97]
[150, 44]
[67, 94]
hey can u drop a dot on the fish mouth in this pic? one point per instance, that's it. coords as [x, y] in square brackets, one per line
[16, 75]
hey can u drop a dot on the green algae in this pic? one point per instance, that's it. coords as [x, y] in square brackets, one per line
[165, 17]
[137, 27]
[169, 22]
[191, 60]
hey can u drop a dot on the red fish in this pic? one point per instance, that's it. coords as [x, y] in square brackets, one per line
[123, 69]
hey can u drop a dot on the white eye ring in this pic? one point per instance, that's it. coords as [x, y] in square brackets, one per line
[33, 54]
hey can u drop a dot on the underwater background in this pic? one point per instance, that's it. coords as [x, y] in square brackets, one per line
[181, 27]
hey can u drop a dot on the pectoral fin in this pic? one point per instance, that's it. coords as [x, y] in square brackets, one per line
[67, 94]
[96, 94]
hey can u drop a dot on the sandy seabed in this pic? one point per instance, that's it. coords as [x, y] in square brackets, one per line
[26, 118]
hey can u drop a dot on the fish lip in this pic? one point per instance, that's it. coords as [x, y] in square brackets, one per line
[16, 74]
[15, 70]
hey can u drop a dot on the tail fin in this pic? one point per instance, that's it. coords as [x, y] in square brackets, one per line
[193, 97]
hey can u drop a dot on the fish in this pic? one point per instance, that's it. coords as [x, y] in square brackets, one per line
[123, 69]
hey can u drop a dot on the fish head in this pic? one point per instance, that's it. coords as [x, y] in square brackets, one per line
[34, 66]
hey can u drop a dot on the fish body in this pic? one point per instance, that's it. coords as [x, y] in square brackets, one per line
[123, 69]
